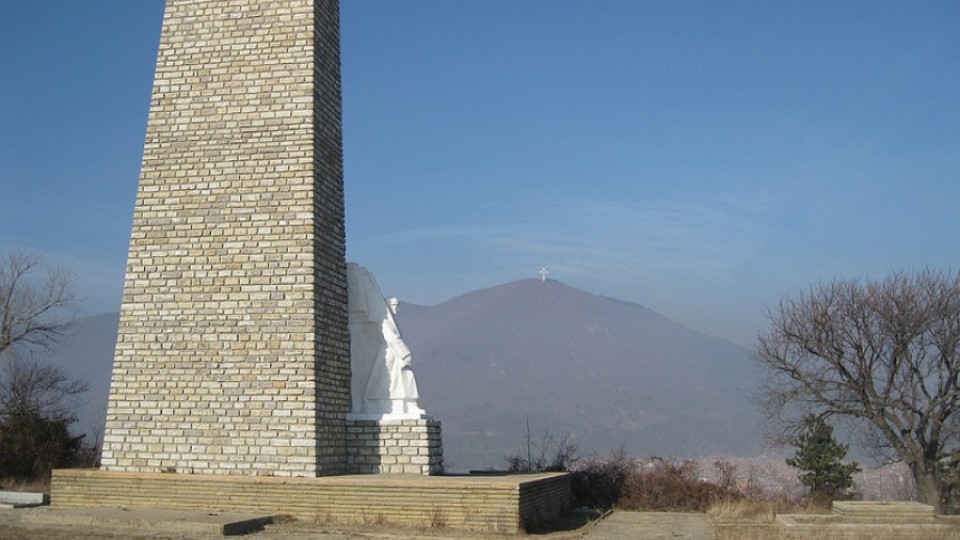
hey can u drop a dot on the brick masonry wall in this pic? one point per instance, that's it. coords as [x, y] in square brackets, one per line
[394, 446]
[497, 504]
[233, 349]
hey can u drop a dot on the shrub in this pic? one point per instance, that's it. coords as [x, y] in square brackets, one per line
[666, 485]
[620, 481]
[657, 484]
[599, 482]
[32, 444]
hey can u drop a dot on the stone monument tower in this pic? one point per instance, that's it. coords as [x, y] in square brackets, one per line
[233, 354]
[235, 363]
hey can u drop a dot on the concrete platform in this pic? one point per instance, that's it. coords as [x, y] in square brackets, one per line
[503, 504]
[179, 521]
[872, 519]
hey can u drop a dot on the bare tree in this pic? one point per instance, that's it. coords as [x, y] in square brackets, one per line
[28, 385]
[37, 302]
[37, 401]
[883, 354]
[37, 404]
[553, 454]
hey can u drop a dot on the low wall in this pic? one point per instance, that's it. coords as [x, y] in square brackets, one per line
[503, 504]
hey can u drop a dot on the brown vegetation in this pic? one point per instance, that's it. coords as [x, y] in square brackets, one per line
[738, 511]
[619, 481]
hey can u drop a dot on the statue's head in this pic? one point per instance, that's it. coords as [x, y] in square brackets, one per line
[394, 304]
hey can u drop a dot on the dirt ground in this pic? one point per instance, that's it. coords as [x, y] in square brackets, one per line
[618, 526]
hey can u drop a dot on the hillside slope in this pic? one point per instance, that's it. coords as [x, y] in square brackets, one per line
[608, 373]
[87, 354]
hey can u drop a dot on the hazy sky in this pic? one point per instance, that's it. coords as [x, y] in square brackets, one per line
[699, 158]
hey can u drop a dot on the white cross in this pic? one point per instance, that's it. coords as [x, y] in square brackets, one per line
[543, 273]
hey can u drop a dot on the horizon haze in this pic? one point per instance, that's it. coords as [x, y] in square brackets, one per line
[606, 372]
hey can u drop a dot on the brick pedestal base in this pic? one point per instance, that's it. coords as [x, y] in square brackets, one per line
[386, 446]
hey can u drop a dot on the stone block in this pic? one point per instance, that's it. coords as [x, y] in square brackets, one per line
[17, 499]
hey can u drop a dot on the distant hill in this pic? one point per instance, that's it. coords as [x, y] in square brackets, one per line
[87, 354]
[606, 372]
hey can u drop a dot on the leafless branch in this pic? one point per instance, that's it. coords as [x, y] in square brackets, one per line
[28, 385]
[37, 303]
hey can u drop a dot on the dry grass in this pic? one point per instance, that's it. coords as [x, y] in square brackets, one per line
[751, 518]
[752, 510]
[746, 531]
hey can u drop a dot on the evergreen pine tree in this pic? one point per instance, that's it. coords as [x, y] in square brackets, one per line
[820, 456]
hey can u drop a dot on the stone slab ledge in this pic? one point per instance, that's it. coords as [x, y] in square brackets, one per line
[181, 521]
[22, 499]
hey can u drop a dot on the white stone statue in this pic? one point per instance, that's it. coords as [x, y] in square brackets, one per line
[382, 381]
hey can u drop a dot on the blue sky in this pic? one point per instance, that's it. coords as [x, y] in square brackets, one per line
[699, 158]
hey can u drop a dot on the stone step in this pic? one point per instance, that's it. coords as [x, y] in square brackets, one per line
[883, 511]
[22, 499]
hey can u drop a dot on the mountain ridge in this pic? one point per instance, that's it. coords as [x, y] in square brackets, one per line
[604, 371]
